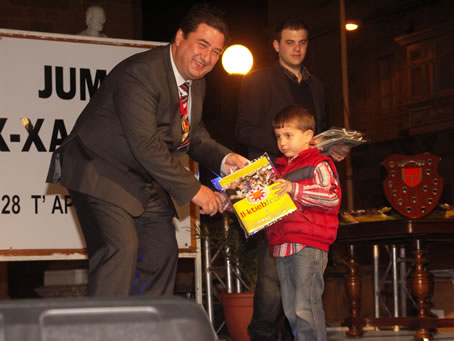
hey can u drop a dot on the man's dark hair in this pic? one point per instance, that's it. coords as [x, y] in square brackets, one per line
[204, 14]
[291, 24]
[296, 116]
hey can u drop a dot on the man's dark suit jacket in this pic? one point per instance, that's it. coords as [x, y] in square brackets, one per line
[263, 94]
[126, 137]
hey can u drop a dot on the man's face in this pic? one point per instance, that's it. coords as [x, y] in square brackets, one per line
[291, 48]
[196, 55]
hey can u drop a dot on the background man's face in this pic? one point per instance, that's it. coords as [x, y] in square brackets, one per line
[196, 55]
[292, 48]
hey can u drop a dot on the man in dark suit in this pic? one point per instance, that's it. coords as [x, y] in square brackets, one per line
[120, 162]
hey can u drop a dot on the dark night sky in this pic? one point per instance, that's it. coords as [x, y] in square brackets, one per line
[161, 22]
[246, 20]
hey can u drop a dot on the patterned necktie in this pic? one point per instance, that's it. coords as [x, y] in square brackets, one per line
[184, 97]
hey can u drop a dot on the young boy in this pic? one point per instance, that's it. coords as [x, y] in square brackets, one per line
[300, 241]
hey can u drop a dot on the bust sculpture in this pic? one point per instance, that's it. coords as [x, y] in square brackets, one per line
[95, 19]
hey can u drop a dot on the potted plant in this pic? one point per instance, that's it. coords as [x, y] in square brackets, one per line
[227, 236]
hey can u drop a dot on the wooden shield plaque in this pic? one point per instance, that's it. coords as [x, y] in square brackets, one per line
[413, 186]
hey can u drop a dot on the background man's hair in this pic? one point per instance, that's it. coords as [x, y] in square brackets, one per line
[296, 116]
[291, 24]
[204, 14]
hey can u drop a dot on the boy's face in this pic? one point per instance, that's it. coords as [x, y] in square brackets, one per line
[292, 141]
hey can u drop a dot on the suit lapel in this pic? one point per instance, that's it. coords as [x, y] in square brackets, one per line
[281, 83]
[197, 94]
[174, 110]
[196, 105]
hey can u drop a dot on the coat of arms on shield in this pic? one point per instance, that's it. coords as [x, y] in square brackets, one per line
[413, 186]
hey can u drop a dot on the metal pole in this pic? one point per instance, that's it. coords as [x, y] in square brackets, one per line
[403, 284]
[228, 265]
[198, 273]
[345, 96]
[209, 294]
[238, 282]
[395, 285]
[377, 281]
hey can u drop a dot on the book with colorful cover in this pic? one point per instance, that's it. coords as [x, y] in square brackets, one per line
[251, 192]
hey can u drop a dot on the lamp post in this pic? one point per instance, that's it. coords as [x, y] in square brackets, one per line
[237, 61]
[345, 96]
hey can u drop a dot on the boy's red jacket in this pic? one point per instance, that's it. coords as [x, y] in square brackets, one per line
[309, 225]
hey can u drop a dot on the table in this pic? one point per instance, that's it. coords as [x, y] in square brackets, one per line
[414, 232]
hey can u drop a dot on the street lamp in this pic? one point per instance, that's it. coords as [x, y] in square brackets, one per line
[351, 25]
[345, 96]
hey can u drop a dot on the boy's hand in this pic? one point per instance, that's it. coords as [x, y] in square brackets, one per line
[283, 186]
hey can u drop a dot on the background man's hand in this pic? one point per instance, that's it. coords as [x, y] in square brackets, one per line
[339, 151]
[209, 202]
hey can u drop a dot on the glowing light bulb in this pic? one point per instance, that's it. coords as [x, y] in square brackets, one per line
[237, 59]
[351, 26]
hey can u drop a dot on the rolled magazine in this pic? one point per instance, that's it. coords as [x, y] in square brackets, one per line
[333, 136]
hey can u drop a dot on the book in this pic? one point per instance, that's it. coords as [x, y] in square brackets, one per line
[328, 138]
[251, 192]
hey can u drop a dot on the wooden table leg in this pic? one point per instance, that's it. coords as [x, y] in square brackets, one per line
[421, 285]
[3, 280]
[353, 289]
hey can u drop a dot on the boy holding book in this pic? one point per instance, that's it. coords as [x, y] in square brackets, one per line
[300, 241]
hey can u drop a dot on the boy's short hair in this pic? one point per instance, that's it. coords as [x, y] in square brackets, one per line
[297, 116]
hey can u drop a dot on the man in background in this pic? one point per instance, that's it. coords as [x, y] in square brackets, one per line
[263, 94]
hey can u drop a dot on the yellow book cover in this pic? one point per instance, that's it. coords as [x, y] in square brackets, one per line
[252, 195]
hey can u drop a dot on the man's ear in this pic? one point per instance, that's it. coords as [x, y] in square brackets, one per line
[276, 45]
[179, 37]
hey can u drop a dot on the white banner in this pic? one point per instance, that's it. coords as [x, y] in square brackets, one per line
[45, 82]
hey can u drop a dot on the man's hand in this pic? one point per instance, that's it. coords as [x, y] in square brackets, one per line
[234, 162]
[339, 151]
[208, 201]
[225, 201]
